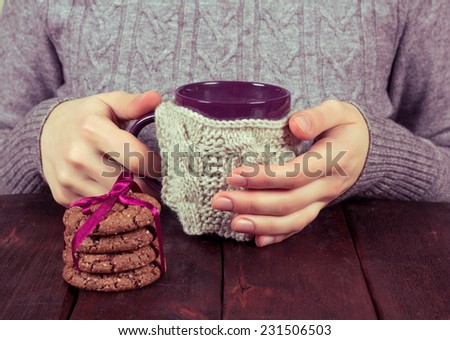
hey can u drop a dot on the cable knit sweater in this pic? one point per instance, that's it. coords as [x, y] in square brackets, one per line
[390, 58]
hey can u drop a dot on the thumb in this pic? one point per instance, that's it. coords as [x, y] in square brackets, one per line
[128, 106]
[310, 123]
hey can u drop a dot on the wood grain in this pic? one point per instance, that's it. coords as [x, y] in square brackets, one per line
[191, 288]
[404, 249]
[313, 275]
[31, 244]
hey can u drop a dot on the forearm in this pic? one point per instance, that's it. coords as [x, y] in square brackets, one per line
[30, 75]
[401, 165]
[22, 171]
[409, 154]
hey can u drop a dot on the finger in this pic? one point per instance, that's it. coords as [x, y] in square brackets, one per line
[89, 187]
[122, 146]
[309, 124]
[276, 225]
[271, 202]
[105, 171]
[76, 183]
[84, 159]
[295, 173]
[128, 106]
[68, 186]
[63, 195]
[265, 240]
[325, 158]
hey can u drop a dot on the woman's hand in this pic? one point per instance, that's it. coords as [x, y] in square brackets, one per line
[82, 139]
[281, 202]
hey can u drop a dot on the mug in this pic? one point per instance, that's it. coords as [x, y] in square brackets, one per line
[209, 129]
[228, 100]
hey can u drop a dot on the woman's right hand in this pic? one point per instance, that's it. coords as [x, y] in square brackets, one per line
[83, 142]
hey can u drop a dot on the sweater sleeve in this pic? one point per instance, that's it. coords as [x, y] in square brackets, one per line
[30, 74]
[409, 156]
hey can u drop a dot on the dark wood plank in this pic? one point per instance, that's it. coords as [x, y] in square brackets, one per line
[313, 275]
[191, 288]
[31, 235]
[405, 253]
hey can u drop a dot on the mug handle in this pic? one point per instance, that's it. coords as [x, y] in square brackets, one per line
[135, 129]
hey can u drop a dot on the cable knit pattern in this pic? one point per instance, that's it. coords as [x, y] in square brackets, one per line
[388, 57]
[199, 153]
[27, 158]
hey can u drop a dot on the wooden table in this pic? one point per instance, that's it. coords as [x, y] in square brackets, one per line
[360, 260]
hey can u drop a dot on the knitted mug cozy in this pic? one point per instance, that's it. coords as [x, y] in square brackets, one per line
[199, 153]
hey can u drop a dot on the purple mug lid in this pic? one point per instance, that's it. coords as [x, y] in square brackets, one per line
[230, 100]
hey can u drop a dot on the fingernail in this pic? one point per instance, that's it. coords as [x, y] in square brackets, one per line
[237, 181]
[244, 226]
[303, 123]
[223, 203]
[265, 241]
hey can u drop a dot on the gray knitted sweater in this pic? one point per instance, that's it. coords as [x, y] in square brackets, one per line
[388, 57]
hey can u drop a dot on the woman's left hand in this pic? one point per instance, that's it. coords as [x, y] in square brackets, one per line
[282, 201]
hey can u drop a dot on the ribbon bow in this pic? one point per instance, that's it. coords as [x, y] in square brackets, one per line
[118, 192]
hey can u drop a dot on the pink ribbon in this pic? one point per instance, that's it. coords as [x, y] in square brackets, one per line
[118, 192]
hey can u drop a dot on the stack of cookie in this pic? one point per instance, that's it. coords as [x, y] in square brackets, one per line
[120, 254]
